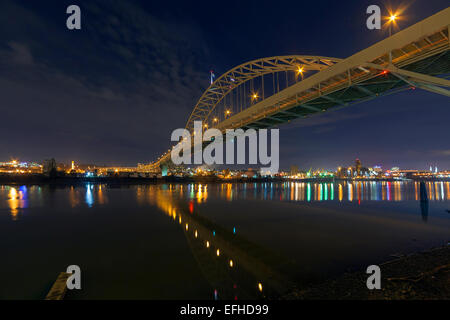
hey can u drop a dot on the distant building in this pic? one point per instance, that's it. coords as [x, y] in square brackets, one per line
[49, 167]
[294, 170]
[358, 167]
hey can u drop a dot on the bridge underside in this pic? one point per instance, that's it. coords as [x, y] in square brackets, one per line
[383, 84]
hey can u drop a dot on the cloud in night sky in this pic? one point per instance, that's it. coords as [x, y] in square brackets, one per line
[117, 106]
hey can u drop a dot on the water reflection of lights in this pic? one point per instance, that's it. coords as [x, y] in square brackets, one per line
[17, 199]
[13, 202]
[225, 257]
[310, 191]
[197, 194]
[89, 196]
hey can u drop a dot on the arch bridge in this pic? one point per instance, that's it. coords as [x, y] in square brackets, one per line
[268, 92]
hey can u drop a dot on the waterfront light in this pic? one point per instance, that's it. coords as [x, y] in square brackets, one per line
[218, 252]
[260, 287]
[207, 244]
[231, 263]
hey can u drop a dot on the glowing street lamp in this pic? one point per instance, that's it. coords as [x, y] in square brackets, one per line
[300, 71]
[393, 17]
[391, 20]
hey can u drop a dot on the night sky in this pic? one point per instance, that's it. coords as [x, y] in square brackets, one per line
[112, 92]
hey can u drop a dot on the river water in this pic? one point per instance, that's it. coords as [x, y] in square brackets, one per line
[210, 241]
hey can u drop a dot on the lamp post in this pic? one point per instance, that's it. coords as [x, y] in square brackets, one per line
[391, 22]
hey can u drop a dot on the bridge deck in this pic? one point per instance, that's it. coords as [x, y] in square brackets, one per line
[380, 84]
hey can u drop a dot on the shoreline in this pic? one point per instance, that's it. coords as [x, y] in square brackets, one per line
[43, 180]
[418, 276]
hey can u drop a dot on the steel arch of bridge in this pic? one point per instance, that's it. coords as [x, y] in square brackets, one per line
[416, 57]
[242, 73]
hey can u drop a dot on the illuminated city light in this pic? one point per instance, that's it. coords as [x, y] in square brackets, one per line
[231, 263]
[260, 287]
[218, 252]
[207, 244]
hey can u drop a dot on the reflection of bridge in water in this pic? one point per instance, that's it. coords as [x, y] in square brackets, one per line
[271, 91]
[235, 267]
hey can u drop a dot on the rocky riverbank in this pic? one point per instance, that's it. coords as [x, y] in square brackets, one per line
[420, 276]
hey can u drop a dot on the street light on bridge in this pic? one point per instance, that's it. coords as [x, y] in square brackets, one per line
[300, 71]
[391, 21]
[393, 16]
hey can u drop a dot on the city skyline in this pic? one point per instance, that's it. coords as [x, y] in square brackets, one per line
[432, 167]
